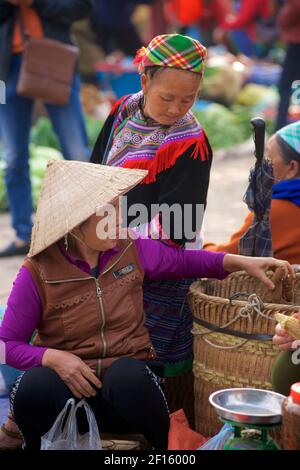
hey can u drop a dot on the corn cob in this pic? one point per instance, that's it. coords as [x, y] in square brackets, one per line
[290, 324]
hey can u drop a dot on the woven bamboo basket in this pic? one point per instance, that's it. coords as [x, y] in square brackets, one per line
[243, 356]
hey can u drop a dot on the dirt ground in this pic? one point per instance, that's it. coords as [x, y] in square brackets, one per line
[224, 214]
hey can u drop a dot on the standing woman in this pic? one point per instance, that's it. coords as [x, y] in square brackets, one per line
[155, 130]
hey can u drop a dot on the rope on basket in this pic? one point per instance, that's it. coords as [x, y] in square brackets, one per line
[254, 306]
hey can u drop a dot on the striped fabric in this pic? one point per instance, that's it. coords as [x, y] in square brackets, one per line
[169, 320]
[291, 135]
[151, 146]
[172, 50]
[257, 241]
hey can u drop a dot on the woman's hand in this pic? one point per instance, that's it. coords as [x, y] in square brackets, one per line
[73, 371]
[257, 267]
[282, 338]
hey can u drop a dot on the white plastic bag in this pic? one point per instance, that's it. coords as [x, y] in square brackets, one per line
[64, 434]
[218, 441]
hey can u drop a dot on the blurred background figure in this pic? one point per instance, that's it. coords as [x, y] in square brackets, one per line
[289, 23]
[182, 14]
[158, 20]
[51, 19]
[113, 26]
[248, 26]
[90, 51]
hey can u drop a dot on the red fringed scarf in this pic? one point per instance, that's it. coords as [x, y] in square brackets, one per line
[151, 146]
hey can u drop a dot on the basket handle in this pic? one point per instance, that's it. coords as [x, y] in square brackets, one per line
[237, 295]
[288, 284]
[254, 305]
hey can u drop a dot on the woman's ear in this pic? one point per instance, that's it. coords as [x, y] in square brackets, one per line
[200, 81]
[144, 83]
[294, 170]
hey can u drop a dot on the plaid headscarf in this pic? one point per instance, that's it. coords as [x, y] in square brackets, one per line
[291, 135]
[172, 50]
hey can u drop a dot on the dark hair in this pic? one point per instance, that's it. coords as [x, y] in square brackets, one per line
[152, 70]
[287, 152]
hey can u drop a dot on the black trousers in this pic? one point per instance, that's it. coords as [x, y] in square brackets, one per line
[130, 401]
[290, 73]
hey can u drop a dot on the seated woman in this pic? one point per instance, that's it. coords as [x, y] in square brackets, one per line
[286, 369]
[80, 291]
[283, 148]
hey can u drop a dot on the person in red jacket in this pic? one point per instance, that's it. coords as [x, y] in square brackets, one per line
[242, 23]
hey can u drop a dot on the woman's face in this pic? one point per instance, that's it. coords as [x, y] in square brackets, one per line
[169, 94]
[100, 233]
[281, 169]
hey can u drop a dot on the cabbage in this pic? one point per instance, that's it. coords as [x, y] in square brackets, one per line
[225, 127]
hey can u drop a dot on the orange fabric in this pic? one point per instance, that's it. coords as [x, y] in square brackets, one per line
[181, 436]
[186, 12]
[285, 228]
[33, 27]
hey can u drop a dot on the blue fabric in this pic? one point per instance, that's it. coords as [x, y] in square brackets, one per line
[115, 13]
[289, 190]
[242, 42]
[169, 319]
[8, 374]
[4, 407]
[15, 124]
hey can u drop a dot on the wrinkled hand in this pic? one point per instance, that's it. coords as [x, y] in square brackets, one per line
[282, 338]
[73, 371]
[257, 267]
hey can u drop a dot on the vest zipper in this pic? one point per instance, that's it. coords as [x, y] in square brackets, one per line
[102, 335]
[100, 300]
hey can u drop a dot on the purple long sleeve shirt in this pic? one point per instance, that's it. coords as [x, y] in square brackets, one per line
[159, 261]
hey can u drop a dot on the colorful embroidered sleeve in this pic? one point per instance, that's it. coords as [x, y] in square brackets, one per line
[103, 137]
[250, 9]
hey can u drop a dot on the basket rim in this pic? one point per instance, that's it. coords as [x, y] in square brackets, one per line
[198, 285]
[238, 303]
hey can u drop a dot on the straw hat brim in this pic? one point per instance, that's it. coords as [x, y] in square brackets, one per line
[71, 192]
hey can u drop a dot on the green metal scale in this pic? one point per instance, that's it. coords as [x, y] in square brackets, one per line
[250, 437]
[252, 413]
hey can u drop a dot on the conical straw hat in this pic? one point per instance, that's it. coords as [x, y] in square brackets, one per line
[71, 192]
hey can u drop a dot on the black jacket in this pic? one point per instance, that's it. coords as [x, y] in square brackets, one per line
[56, 16]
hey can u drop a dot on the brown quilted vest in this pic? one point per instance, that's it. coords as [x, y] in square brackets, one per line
[98, 319]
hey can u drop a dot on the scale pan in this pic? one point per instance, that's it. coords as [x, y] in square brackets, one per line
[248, 405]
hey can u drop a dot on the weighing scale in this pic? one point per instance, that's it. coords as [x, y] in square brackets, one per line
[252, 413]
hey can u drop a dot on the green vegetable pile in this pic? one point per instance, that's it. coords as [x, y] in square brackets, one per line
[225, 127]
